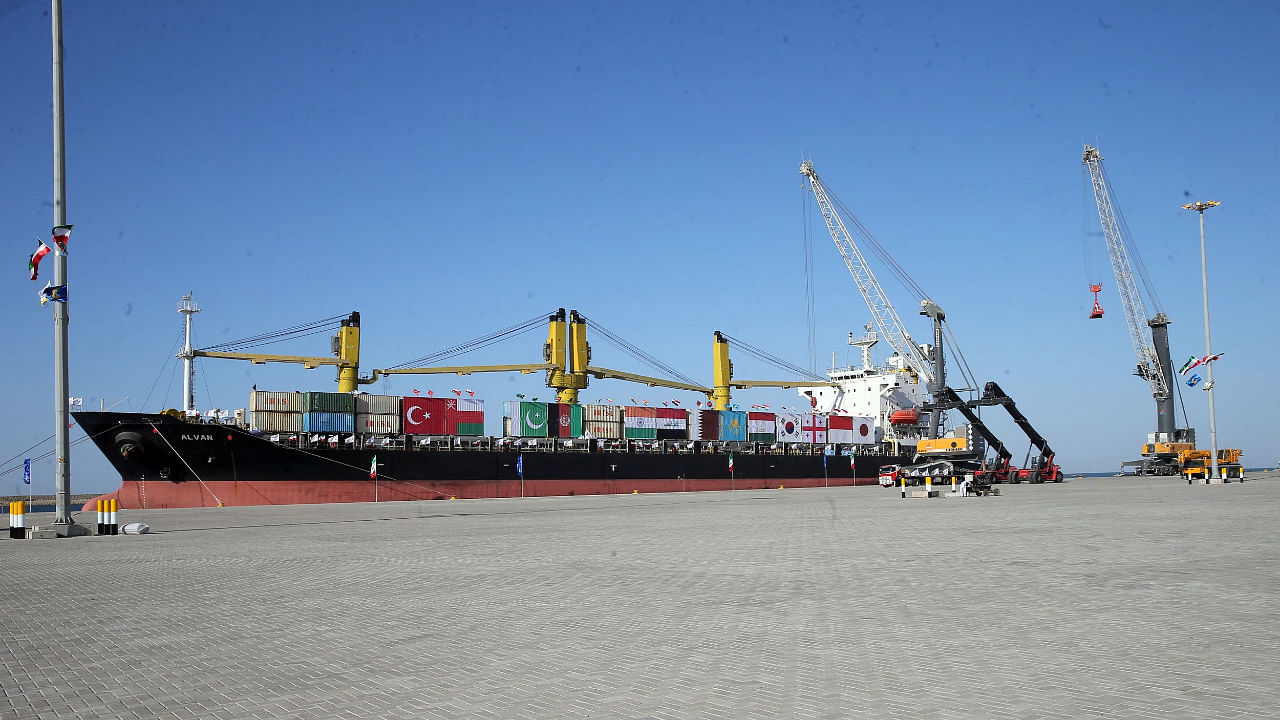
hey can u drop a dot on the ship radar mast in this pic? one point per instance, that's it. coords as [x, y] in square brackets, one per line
[188, 308]
[864, 344]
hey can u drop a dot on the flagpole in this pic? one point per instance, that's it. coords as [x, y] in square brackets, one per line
[62, 445]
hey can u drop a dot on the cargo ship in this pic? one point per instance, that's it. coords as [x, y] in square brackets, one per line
[328, 447]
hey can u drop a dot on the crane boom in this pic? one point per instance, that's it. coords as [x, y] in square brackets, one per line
[882, 311]
[1135, 312]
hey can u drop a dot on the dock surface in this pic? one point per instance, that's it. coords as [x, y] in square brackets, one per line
[1099, 597]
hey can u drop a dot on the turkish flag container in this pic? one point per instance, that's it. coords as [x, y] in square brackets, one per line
[840, 429]
[463, 416]
[424, 416]
[814, 428]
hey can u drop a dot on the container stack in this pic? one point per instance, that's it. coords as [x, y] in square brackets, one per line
[328, 412]
[378, 414]
[464, 416]
[603, 421]
[423, 416]
[275, 412]
[564, 420]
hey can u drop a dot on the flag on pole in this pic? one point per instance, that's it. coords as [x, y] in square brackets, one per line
[26, 471]
[1193, 380]
[1190, 363]
[730, 462]
[33, 265]
[373, 468]
[520, 465]
[56, 293]
[470, 392]
[1209, 385]
[853, 462]
[416, 391]
[1209, 358]
[61, 235]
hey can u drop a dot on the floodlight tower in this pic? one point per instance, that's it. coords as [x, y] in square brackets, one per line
[1200, 207]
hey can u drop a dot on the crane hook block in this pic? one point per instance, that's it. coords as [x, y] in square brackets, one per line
[1097, 306]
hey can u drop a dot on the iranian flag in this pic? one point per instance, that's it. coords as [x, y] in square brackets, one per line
[61, 235]
[373, 468]
[1190, 363]
[730, 462]
[34, 263]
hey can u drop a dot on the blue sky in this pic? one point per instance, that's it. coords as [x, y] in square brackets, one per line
[450, 169]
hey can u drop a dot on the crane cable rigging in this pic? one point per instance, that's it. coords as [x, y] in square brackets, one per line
[638, 354]
[483, 341]
[269, 338]
[771, 359]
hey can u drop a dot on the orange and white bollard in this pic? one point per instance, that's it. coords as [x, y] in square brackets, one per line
[18, 520]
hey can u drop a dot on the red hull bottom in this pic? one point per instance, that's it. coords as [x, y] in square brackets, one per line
[136, 495]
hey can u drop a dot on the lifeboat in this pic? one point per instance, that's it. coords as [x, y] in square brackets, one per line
[905, 417]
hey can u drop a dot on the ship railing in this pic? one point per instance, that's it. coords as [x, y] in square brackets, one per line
[615, 446]
[574, 445]
[686, 447]
[647, 446]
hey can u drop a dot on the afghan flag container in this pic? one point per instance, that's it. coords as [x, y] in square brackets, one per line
[761, 427]
[733, 426]
[565, 419]
[672, 423]
[464, 416]
[525, 419]
[424, 416]
[639, 423]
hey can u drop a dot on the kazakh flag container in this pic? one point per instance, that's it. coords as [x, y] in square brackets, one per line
[733, 426]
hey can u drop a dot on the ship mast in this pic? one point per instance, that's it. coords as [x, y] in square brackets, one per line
[188, 308]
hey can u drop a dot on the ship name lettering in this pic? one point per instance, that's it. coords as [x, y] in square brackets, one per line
[196, 437]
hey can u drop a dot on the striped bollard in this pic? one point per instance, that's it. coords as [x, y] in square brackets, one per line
[928, 486]
[113, 521]
[18, 520]
[953, 484]
[102, 520]
[902, 484]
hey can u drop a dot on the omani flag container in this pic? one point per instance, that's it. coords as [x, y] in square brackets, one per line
[761, 427]
[733, 426]
[464, 416]
[639, 423]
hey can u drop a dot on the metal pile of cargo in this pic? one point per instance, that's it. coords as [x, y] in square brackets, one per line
[326, 412]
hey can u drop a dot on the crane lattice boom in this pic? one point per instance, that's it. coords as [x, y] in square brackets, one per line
[882, 312]
[1135, 312]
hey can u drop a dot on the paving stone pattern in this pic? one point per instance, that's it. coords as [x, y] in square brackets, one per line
[1110, 597]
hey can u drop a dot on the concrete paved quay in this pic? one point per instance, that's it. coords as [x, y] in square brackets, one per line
[1103, 597]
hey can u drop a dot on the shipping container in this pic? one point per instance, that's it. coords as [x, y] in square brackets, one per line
[467, 404]
[528, 419]
[328, 421]
[275, 421]
[814, 428]
[639, 423]
[733, 426]
[603, 429]
[761, 427]
[377, 404]
[840, 429]
[789, 428]
[704, 425]
[329, 402]
[463, 422]
[423, 416]
[607, 413]
[380, 424]
[267, 401]
[564, 419]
